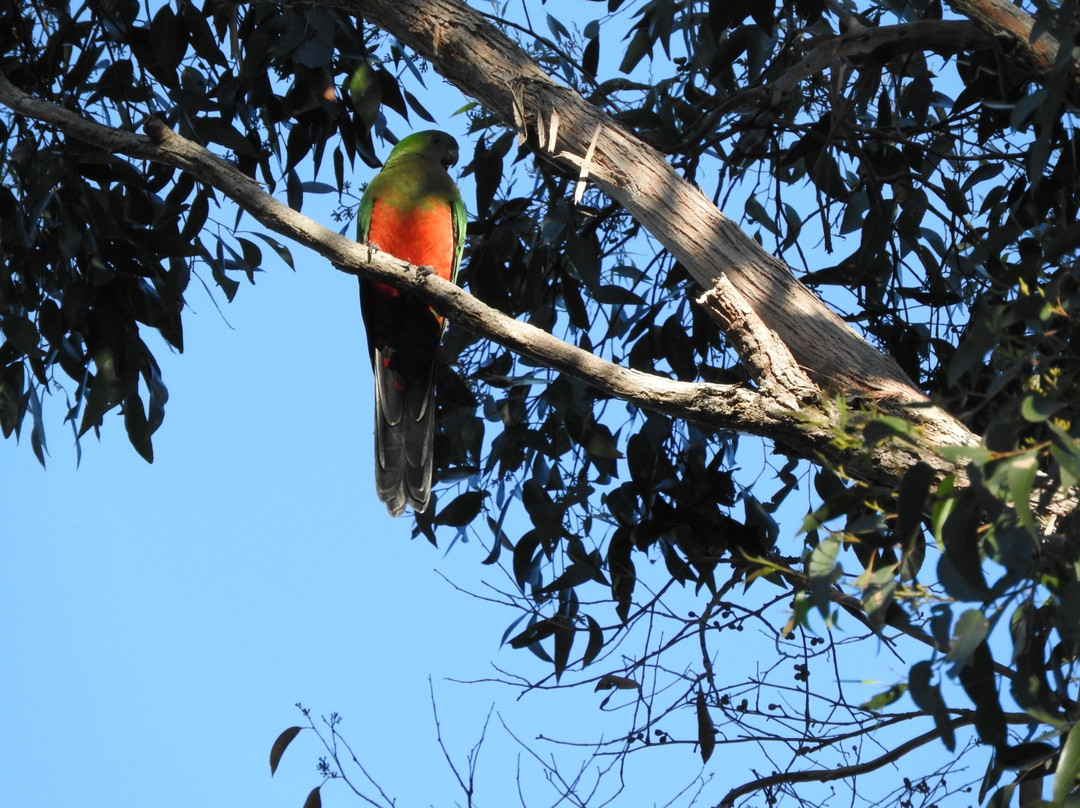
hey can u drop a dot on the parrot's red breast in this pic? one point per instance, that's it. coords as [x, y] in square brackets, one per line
[422, 236]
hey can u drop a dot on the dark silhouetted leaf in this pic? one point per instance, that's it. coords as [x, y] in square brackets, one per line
[574, 575]
[928, 698]
[622, 572]
[962, 555]
[417, 107]
[596, 641]
[280, 249]
[609, 681]
[590, 57]
[462, 509]
[706, 733]
[980, 683]
[539, 630]
[564, 642]
[1003, 797]
[911, 504]
[1025, 755]
[525, 558]
[280, 745]
[138, 430]
[969, 632]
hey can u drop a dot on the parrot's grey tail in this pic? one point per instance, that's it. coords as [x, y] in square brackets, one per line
[404, 434]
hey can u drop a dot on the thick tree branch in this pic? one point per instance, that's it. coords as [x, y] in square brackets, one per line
[772, 364]
[1012, 27]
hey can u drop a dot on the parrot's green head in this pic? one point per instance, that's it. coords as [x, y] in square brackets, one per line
[432, 143]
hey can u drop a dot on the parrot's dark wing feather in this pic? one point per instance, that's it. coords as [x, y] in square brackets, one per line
[404, 395]
[404, 432]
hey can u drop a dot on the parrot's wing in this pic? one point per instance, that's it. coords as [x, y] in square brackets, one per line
[457, 211]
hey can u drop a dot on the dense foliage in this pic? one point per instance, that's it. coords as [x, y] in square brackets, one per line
[906, 163]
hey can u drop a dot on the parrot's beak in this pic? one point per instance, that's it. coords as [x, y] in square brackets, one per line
[450, 158]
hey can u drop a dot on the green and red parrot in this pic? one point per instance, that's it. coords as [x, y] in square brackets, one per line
[412, 210]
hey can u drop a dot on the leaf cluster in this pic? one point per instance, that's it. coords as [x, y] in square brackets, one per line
[96, 247]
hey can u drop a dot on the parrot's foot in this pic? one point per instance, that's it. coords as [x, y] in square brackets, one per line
[371, 250]
[425, 270]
